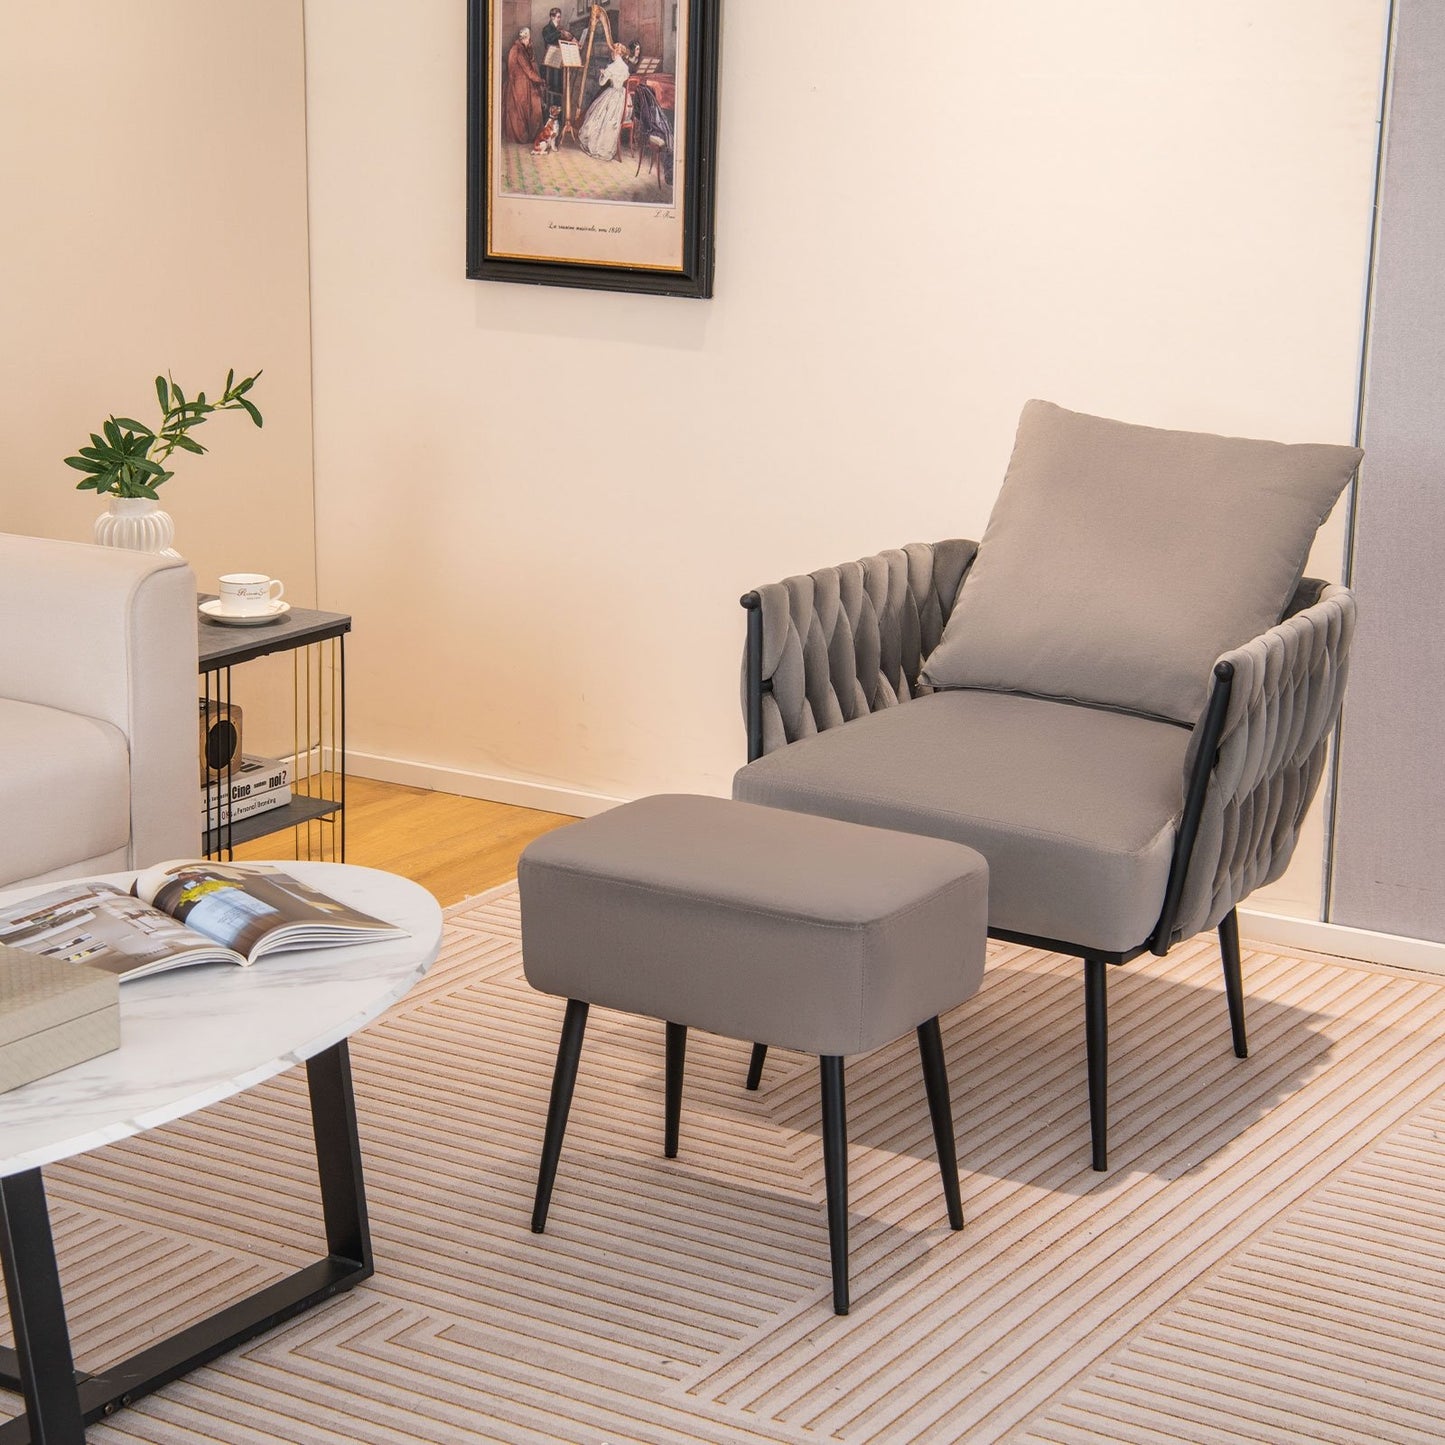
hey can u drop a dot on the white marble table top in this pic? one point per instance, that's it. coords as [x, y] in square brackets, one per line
[196, 1035]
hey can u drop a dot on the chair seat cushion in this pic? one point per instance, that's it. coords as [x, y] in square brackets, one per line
[64, 789]
[758, 924]
[1075, 808]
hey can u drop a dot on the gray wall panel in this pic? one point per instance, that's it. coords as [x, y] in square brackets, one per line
[1389, 853]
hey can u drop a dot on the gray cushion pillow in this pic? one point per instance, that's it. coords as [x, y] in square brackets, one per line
[1120, 561]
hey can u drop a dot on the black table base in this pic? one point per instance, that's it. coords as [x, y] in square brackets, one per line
[60, 1400]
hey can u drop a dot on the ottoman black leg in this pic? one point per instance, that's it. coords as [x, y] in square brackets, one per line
[1096, 1035]
[755, 1065]
[835, 1173]
[935, 1081]
[676, 1055]
[569, 1050]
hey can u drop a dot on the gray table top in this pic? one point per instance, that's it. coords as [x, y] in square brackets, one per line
[224, 644]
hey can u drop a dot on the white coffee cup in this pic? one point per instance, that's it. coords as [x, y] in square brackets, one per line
[244, 594]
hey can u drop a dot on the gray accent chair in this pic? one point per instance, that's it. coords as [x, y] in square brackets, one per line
[1109, 831]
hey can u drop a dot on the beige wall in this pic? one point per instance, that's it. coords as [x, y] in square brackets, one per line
[153, 166]
[542, 505]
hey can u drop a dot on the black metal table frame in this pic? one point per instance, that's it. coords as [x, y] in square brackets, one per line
[60, 1400]
[223, 648]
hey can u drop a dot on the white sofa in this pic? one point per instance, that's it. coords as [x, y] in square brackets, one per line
[99, 743]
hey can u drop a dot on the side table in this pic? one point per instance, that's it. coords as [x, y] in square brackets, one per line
[317, 642]
[190, 1038]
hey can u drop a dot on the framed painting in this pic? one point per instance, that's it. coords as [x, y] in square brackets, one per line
[591, 143]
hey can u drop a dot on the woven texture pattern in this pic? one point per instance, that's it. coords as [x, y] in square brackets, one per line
[1288, 686]
[850, 640]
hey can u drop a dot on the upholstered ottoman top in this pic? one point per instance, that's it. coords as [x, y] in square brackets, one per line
[775, 927]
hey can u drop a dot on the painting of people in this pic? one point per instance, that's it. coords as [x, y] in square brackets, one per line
[584, 126]
[590, 65]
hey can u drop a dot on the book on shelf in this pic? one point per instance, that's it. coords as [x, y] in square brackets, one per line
[214, 813]
[183, 912]
[250, 778]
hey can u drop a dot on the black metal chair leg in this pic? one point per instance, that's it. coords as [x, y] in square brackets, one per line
[1233, 981]
[569, 1050]
[835, 1173]
[755, 1065]
[676, 1055]
[37, 1312]
[1096, 1030]
[940, 1109]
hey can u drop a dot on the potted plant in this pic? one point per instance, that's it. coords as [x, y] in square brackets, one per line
[124, 461]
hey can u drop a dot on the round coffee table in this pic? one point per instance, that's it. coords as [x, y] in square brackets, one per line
[189, 1038]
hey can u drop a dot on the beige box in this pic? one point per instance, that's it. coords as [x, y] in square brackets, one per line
[52, 1015]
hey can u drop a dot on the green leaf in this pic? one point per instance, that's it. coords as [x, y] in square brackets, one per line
[250, 409]
[230, 380]
[139, 427]
[112, 431]
[162, 393]
[82, 465]
[187, 445]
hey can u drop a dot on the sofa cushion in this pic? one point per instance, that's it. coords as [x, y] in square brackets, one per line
[64, 786]
[1074, 808]
[1120, 561]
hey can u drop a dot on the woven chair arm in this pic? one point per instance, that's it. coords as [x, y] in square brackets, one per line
[832, 645]
[1284, 701]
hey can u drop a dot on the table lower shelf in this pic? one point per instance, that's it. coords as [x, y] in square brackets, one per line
[274, 820]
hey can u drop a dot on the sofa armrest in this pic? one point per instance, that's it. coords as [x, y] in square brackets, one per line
[111, 634]
[1285, 689]
[832, 645]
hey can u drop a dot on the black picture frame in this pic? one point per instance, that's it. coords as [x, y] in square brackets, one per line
[677, 225]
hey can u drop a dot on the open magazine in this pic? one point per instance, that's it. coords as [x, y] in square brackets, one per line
[185, 912]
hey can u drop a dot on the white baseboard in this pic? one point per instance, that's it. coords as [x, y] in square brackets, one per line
[571, 801]
[1279, 930]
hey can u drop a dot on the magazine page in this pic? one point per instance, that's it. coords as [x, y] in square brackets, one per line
[97, 924]
[255, 908]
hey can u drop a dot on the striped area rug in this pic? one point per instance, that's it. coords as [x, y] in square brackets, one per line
[1264, 1262]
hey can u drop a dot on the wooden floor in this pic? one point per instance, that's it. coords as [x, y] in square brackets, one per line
[454, 847]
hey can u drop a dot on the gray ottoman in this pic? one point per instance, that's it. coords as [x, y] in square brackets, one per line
[759, 924]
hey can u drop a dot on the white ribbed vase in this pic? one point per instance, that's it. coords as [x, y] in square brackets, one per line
[137, 523]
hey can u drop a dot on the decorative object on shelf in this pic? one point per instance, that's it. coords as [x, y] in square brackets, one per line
[123, 462]
[580, 116]
[220, 737]
[253, 785]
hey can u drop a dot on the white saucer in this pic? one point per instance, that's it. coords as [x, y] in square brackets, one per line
[212, 609]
